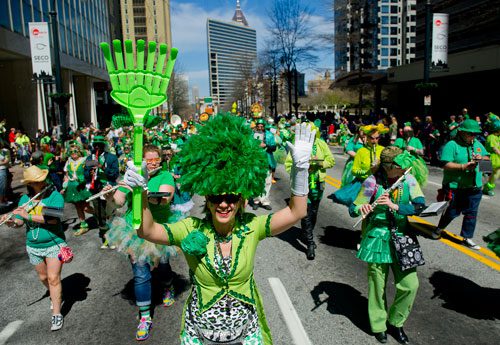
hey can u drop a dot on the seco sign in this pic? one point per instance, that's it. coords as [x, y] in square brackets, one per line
[40, 48]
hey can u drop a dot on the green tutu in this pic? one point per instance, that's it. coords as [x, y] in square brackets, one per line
[375, 247]
[122, 235]
[76, 192]
[493, 240]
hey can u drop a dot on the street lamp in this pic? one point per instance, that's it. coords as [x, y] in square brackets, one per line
[427, 52]
[59, 88]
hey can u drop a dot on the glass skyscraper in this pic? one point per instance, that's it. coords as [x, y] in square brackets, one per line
[232, 51]
[82, 25]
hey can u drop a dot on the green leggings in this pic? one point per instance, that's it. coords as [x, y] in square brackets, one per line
[406, 291]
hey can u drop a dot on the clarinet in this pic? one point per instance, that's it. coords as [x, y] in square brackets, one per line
[391, 189]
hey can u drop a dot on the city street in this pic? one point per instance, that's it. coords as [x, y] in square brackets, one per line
[457, 303]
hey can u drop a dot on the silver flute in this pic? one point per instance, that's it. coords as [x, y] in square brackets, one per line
[389, 190]
[104, 192]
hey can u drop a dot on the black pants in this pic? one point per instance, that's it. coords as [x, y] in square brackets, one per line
[309, 222]
[100, 214]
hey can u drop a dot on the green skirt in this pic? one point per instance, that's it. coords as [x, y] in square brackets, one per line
[76, 192]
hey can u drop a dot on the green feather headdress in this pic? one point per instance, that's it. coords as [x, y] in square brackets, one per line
[223, 158]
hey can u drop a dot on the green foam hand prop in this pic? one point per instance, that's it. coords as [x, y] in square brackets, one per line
[139, 88]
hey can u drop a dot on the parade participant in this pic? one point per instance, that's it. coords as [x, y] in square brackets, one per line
[393, 129]
[452, 127]
[266, 143]
[376, 248]
[320, 160]
[367, 159]
[414, 146]
[4, 173]
[101, 168]
[44, 235]
[145, 256]
[462, 181]
[354, 144]
[493, 147]
[227, 166]
[125, 157]
[75, 191]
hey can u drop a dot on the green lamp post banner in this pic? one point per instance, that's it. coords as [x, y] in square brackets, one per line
[139, 90]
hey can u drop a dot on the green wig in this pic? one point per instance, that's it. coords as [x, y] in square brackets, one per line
[223, 158]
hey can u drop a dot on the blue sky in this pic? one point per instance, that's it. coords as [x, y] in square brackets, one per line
[189, 19]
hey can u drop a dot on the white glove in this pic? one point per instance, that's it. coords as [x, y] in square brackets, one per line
[133, 179]
[301, 154]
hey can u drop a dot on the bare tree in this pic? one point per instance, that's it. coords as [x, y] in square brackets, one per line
[178, 93]
[292, 36]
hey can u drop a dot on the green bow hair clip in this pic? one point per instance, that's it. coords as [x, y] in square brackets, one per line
[139, 88]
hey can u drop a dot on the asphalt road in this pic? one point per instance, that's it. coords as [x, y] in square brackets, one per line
[458, 301]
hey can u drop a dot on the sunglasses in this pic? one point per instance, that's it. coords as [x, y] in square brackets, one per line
[74, 151]
[374, 138]
[153, 160]
[229, 198]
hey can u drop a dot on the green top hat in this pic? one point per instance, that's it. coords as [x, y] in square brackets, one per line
[470, 126]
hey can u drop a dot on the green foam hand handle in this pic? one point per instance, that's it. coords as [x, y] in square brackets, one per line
[139, 90]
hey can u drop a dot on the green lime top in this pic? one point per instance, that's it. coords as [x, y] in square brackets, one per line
[44, 235]
[456, 152]
[413, 142]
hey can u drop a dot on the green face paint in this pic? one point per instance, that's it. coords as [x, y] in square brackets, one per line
[139, 90]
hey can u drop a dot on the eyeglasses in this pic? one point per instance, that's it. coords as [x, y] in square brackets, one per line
[228, 198]
[153, 160]
[373, 138]
[74, 151]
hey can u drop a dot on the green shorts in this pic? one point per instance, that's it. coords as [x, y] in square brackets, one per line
[37, 255]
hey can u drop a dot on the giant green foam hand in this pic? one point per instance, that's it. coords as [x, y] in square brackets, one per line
[139, 89]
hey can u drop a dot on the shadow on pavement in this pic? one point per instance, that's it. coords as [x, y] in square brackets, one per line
[75, 288]
[292, 236]
[343, 299]
[341, 237]
[179, 282]
[466, 297]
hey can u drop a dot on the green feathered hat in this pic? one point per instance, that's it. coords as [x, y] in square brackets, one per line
[223, 158]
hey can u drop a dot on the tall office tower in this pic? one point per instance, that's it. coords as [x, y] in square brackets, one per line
[148, 20]
[82, 25]
[397, 32]
[232, 51]
[373, 34]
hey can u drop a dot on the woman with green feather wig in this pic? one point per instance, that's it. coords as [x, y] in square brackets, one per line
[226, 166]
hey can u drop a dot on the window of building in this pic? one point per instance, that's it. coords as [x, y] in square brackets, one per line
[385, 30]
[394, 52]
[394, 9]
[385, 41]
[384, 9]
[384, 20]
[394, 62]
[385, 52]
[394, 20]
[394, 41]
[4, 14]
[394, 30]
[384, 63]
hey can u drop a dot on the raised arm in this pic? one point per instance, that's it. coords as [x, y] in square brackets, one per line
[300, 152]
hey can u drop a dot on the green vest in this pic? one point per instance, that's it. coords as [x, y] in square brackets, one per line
[210, 285]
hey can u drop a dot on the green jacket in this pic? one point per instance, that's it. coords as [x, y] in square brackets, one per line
[240, 284]
[322, 152]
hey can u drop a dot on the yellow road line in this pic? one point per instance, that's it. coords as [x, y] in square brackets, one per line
[336, 183]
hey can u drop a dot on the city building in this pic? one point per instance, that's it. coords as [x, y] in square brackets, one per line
[148, 20]
[320, 84]
[232, 51]
[396, 37]
[473, 63]
[373, 34]
[195, 94]
[82, 25]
